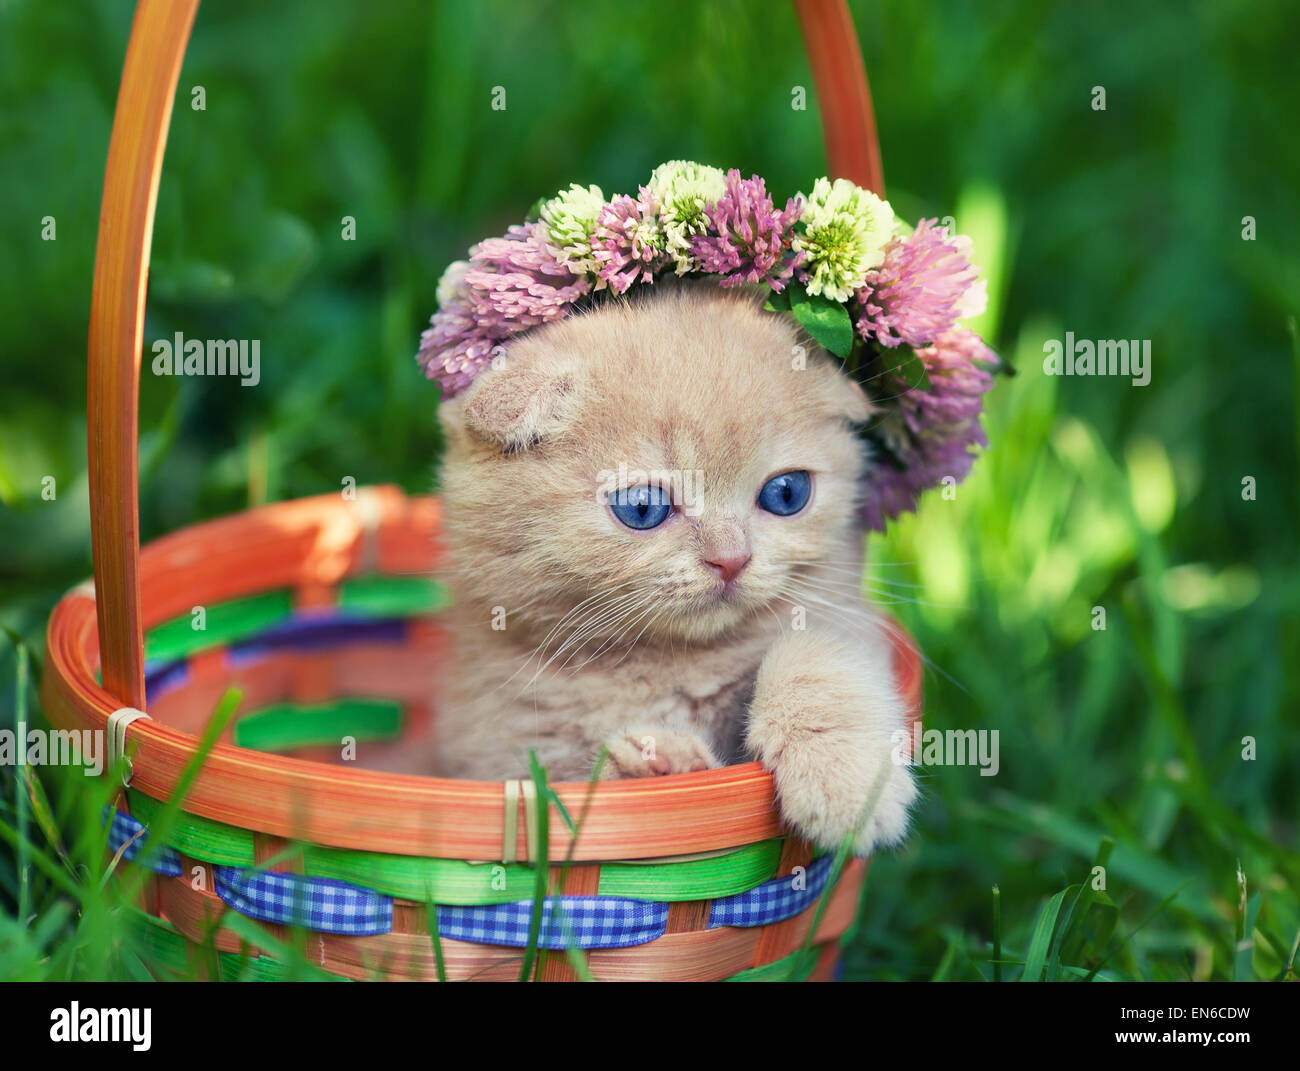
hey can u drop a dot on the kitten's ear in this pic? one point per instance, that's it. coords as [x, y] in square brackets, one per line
[850, 400]
[523, 402]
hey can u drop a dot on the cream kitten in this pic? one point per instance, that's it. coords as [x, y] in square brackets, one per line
[631, 557]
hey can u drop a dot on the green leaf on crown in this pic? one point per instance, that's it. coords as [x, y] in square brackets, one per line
[903, 362]
[778, 301]
[826, 320]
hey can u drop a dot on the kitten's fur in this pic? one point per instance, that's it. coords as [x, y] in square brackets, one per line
[689, 378]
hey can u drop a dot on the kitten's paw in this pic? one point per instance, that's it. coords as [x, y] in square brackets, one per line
[654, 751]
[825, 787]
[823, 724]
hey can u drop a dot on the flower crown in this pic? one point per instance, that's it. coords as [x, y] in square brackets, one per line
[883, 297]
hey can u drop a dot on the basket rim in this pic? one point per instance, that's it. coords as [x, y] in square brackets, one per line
[306, 543]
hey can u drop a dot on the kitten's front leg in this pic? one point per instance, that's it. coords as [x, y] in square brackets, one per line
[824, 720]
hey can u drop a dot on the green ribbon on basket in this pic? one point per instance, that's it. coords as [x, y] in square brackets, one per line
[463, 883]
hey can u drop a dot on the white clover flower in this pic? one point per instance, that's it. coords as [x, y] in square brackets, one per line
[567, 220]
[843, 236]
[451, 287]
[684, 190]
[974, 302]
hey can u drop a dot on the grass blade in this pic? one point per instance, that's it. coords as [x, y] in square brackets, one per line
[1042, 937]
[997, 934]
[431, 914]
[20, 797]
[543, 871]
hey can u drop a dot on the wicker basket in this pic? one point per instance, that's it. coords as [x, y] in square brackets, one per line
[323, 612]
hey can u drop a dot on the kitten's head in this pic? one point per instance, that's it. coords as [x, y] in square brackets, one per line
[676, 459]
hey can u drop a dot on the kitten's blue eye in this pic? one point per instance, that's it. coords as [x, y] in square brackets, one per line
[641, 507]
[786, 494]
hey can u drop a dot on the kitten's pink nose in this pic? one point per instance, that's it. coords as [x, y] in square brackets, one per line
[728, 566]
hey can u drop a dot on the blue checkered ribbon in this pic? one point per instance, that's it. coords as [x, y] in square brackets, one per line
[122, 827]
[580, 922]
[773, 900]
[329, 906]
[320, 904]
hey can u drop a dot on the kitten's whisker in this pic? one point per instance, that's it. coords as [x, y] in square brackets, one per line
[894, 628]
[587, 605]
[607, 617]
[508, 613]
[839, 587]
[780, 624]
[611, 643]
[835, 613]
[598, 596]
[830, 611]
[655, 617]
[884, 597]
[855, 564]
[600, 599]
[863, 573]
[600, 616]
[610, 625]
[855, 617]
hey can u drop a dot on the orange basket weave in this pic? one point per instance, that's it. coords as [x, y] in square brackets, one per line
[323, 613]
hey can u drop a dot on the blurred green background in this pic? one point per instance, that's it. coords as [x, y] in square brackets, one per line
[1122, 223]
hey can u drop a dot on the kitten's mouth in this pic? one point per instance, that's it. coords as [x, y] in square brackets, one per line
[731, 602]
[727, 591]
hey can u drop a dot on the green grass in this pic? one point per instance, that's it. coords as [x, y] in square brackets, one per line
[1123, 223]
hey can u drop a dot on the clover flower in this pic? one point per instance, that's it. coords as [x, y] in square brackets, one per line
[924, 285]
[451, 287]
[928, 435]
[628, 245]
[684, 191]
[509, 285]
[749, 241]
[567, 220]
[843, 236]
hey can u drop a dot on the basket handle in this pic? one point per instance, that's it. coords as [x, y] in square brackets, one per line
[843, 96]
[159, 33]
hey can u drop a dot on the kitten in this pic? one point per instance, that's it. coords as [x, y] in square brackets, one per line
[670, 635]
